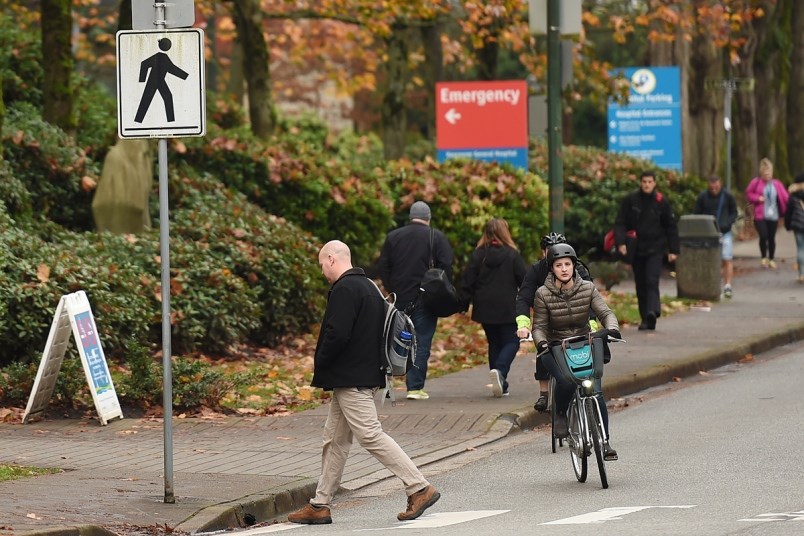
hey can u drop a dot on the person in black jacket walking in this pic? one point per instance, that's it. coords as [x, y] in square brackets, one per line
[650, 214]
[492, 277]
[794, 220]
[404, 258]
[719, 203]
[347, 362]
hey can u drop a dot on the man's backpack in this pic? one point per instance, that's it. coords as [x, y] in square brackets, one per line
[398, 351]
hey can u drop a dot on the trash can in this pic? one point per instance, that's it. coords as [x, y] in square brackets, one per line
[698, 264]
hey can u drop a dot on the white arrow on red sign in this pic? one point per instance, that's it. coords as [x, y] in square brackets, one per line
[452, 116]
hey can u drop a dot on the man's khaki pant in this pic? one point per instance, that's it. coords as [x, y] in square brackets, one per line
[353, 413]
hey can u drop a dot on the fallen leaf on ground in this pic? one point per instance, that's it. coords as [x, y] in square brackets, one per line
[747, 358]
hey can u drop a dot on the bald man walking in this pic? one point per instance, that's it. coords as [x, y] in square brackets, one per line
[347, 362]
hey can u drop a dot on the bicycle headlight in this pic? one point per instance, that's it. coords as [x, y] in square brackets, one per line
[587, 384]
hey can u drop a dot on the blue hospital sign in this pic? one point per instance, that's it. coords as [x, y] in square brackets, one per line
[649, 126]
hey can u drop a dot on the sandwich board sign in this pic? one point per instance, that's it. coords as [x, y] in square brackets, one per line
[74, 316]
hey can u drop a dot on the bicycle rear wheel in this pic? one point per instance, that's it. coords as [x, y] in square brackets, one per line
[576, 442]
[592, 417]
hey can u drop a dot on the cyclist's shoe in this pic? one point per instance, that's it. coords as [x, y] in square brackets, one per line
[609, 454]
[560, 427]
[541, 404]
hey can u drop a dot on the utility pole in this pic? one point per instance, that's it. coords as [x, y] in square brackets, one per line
[555, 165]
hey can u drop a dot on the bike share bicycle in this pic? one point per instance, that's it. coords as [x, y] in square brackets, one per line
[579, 360]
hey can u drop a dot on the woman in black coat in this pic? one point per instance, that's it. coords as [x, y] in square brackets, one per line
[492, 279]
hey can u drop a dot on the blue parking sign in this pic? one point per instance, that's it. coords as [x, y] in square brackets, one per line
[649, 126]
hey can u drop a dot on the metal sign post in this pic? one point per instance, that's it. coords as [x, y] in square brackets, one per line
[729, 86]
[153, 64]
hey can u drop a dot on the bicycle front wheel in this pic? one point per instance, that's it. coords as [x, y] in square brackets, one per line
[576, 442]
[593, 418]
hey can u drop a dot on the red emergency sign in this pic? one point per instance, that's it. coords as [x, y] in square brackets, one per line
[480, 115]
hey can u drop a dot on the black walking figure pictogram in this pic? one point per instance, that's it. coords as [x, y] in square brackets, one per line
[160, 66]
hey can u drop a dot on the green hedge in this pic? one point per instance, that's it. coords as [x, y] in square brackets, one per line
[237, 274]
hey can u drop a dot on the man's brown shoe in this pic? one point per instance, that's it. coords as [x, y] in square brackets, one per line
[419, 502]
[311, 515]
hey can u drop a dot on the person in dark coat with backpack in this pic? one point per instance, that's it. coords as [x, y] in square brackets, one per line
[347, 362]
[650, 215]
[405, 257]
[719, 203]
[492, 278]
[794, 220]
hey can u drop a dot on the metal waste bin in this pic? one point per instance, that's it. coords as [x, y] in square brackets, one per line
[698, 264]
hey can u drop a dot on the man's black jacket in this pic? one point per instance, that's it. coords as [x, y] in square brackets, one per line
[350, 341]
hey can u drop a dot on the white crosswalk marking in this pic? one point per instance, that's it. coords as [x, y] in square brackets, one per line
[607, 514]
[790, 516]
[441, 519]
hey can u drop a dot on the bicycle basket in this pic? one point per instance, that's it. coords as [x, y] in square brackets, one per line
[578, 358]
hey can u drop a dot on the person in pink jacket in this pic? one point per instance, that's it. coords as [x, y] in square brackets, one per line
[769, 197]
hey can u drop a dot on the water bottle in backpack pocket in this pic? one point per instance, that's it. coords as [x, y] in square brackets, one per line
[401, 345]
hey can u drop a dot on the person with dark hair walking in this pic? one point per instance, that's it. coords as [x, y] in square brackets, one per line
[648, 213]
[491, 280]
[717, 202]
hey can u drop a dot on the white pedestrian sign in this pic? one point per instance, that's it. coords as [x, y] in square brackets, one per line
[160, 83]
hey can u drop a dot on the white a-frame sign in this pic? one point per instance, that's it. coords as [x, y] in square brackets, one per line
[73, 314]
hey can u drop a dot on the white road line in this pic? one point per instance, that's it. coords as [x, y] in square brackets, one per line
[441, 519]
[607, 514]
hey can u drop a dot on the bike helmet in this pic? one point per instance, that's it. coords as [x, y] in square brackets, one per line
[561, 251]
[552, 239]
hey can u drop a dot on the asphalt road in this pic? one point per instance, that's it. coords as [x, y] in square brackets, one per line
[718, 455]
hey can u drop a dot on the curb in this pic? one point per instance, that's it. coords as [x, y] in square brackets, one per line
[78, 530]
[262, 506]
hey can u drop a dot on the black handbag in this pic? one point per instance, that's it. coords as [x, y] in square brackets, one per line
[438, 292]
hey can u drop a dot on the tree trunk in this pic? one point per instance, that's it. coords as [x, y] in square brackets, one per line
[771, 77]
[677, 53]
[124, 19]
[433, 68]
[2, 113]
[745, 122]
[248, 18]
[57, 64]
[704, 135]
[393, 112]
[488, 59]
[795, 91]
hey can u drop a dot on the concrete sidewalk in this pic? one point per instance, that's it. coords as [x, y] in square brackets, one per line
[266, 466]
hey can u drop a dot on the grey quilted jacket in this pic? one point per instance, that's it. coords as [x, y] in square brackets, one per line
[565, 313]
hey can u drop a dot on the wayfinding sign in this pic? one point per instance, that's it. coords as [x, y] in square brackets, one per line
[160, 83]
[649, 126]
[74, 316]
[483, 121]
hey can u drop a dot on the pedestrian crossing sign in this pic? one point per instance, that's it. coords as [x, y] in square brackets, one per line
[160, 83]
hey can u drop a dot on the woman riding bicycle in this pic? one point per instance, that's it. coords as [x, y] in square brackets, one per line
[561, 309]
